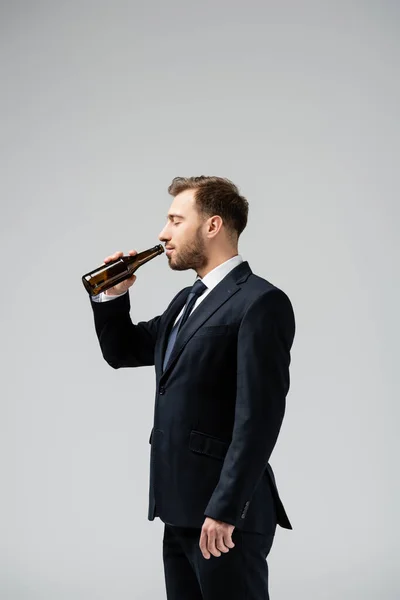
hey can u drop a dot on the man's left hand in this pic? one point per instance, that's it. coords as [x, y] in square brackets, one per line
[216, 537]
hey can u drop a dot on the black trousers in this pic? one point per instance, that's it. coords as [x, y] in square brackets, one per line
[240, 574]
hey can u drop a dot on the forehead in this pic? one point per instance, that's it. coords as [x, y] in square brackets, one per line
[183, 204]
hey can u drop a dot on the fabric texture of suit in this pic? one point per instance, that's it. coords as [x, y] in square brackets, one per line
[219, 403]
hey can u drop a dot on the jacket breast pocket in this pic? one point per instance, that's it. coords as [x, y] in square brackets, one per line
[203, 443]
[214, 330]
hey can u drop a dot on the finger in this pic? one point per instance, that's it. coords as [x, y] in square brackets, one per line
[203, 544]
[211, 544]
[228, 540]
[132, 252]
[113, 256]
[220, 544]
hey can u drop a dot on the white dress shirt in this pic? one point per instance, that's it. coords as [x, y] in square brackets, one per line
[212, 279]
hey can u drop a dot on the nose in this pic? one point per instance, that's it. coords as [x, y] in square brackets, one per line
[163, 237]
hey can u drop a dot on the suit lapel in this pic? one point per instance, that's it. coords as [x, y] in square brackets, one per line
[216, 298]
[171, 313]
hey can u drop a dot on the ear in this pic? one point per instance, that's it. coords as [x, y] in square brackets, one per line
[214, 225]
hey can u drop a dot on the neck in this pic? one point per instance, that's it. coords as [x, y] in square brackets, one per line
[215, 261]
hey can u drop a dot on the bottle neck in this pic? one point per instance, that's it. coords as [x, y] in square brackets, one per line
[142, 257]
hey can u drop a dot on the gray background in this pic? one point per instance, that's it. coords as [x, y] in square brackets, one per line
[102, 104]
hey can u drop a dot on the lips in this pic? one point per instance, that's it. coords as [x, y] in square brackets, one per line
[169, 251]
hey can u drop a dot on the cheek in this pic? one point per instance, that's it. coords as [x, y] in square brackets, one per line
[179, 235]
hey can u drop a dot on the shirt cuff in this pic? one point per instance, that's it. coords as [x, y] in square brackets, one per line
[102, 297]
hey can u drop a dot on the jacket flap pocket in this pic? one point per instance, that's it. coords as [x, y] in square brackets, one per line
[209, 445]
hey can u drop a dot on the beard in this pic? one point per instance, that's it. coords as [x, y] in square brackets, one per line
[191, 255]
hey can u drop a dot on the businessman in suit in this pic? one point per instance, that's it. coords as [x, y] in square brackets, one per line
[221, 352]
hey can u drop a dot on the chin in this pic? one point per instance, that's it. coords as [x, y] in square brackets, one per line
[177, 266]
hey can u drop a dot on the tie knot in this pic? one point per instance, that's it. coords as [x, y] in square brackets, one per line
[198, 288]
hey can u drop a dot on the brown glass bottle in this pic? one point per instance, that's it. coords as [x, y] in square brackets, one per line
[104, 277]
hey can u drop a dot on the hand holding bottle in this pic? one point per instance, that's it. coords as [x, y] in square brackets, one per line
[122, 287]
[116, 275]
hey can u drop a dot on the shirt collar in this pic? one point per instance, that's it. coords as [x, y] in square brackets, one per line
[213, 278]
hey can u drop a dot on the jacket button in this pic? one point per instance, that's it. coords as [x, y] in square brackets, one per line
[161, 390]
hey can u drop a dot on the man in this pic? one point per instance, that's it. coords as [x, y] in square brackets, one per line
[221, 352]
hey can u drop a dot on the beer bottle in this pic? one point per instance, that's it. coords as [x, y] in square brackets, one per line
[104, 277]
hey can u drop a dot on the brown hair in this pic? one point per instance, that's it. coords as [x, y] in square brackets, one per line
[215, 196]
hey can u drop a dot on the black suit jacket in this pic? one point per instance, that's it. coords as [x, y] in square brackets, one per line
[219, 403]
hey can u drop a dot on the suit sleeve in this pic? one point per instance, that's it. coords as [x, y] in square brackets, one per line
[122, 343]
[265, 338]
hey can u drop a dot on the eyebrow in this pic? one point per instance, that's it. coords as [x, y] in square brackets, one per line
[172, 216]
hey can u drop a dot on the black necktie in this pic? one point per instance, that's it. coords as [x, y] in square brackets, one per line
[197, 290]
